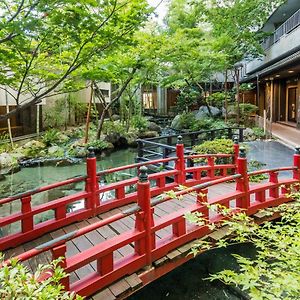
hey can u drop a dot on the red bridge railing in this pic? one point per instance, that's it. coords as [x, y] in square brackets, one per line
[147, 248]
[93, 192]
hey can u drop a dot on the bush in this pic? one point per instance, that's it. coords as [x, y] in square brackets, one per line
[98, 144]
[110, 127]
[139, 122]
[51, 137]
[17, 282]
[216, 146]
[187, 120]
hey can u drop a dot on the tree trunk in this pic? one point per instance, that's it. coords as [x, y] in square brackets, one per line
[8, 120]
[88, 115]
[225, 93]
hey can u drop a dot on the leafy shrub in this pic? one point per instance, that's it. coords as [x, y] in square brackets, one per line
[17, 282]
[51, 137]
[98, 144]
[202, 124]
[187, 120]
[216, 146]
[110, 127]
[139, 122]
[5, 145]
[259, 132]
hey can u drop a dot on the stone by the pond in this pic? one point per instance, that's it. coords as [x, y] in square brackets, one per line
[176, 123]
[148, 134]
[34, 144]
[7, 160]
[153, 127]
[56, 151]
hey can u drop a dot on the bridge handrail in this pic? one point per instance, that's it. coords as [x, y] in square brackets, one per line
[258, 172]
[125, 213]
[195, 156]
[194, 132]
[150, 142]
[136, 165]
[41, 189]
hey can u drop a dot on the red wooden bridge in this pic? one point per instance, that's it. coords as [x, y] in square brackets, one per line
[115, 246]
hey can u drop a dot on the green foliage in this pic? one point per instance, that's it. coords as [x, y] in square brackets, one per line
[17, 282]
[187, 98]
[187, 120]
[98, 144]
[259, 132]
[274, 272]
[51, 137]
[139, 122]
[110, 127]
[218, 99]
[216, 146]
[5, 145]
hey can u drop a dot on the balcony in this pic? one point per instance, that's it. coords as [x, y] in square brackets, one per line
[284, 39]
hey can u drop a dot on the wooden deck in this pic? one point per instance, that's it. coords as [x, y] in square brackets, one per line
[87, 241]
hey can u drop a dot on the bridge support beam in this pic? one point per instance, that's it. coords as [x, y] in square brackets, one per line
[92, 181]
[242, 184]
[180, 162]
[144, 218]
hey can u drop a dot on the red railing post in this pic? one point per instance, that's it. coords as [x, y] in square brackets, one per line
[296, 173]
[236, 150]
[92, 181]
[27, 223]
[274, 191]
[144, 218]
[180, 162]
[242, 184]
[60, 252]
[211, 165]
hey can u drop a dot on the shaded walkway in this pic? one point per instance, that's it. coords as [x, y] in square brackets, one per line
[290, 136]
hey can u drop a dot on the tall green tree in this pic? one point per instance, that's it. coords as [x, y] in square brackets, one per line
[46, 45]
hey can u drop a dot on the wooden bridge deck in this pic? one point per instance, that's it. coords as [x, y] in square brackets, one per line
[87, 241]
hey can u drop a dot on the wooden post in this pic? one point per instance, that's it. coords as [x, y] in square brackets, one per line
[57, 252]
[242, 184]
[296, 173]
[144, 218]
[180, 162]
[211, 167]
[27, 223]
[92, 184]
[236, 150]
[274, 191]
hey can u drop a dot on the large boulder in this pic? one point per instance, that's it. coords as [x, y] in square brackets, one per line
[154, 127]
[118, 140]
[176, 123]
[203, 112]
[6, 160]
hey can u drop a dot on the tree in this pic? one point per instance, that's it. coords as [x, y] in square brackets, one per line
[129, 66]
[45, 45]
[188, 54]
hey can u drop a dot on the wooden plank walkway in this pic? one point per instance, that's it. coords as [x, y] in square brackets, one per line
[87, 241]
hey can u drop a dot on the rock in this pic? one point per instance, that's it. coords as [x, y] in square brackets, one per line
[203, 112]
[79, 152]
[249, 135]
[56, 151]
[148, 134]
[117, 140]
[7, 160]
[63, 138]
[34, 144]
[115, 117]
[176, 123]
[154, 127]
